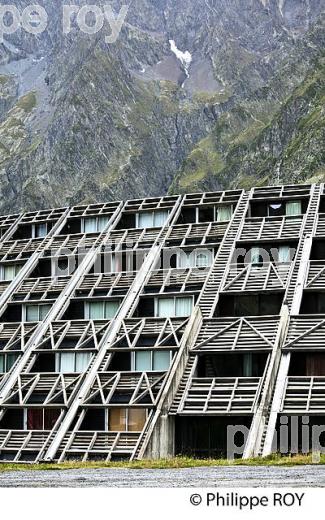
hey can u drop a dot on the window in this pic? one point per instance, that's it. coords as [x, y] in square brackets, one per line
[116, 264]
[162, 360]
[9, 272]
[151, 219]
[41, 419]
[70, 362]
[36, 312]
[256, 257]
[160, 218]
[183, 306]
[101, 310]
[39, 230]
[294, 208]
[224, 213]
[165, 307]
[203, 259]
[184, 260]
[173, 307]
[94, 224]
[205, 213]
[198, 258]
[142, 361]
[284, 254]
[90, 225]
[248, 365]
[7, 361]
[150, 360]
[132, 420]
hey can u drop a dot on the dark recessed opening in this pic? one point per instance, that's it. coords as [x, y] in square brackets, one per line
[231, 365]
[318, 250]
[313, 303]
[12, 420]
[300, 434]
[206, 437]
[44, 363]
[121, 362]
[12, 314]
[42, 270]
[127, 221]
[94, 420]
[307, 364]
[249, 305]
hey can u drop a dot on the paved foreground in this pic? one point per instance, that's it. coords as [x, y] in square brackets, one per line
[238, 476]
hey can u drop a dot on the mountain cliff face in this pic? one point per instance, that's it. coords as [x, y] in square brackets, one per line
[194, 94]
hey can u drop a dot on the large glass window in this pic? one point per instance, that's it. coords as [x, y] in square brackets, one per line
[183, 306]
[184, 260]
[37, 312]
[42, 419]
[116, 263]
[198, 258]
[159, 218]
[151, 360]
[165, 307]
[161, 360]
[101, 310]
[143, 362]
[149, 219]
[95, 310]
[9, 272]
[102, 223]
[224, 213]
[132, 420]
[90, 225]
[7, 361]
[294, 208]
[248, 365]
[284, 254]
[66, 362]
[145, 220]
[72, 362]
[40, 230]
[256, 257]
[94, 224]
[173, 307]
[136, 419]
[203, 258]
[43, 311]
[117, 420]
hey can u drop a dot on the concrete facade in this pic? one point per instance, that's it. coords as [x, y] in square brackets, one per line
[147, 328]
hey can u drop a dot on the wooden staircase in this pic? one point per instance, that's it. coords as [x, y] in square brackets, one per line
[184, 384]
[209, 295]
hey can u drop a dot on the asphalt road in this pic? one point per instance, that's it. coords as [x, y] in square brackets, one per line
[233, 477]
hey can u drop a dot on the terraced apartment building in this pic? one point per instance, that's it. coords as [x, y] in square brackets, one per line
[147, 328]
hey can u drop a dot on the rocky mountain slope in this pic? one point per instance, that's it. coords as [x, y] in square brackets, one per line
[194, 94]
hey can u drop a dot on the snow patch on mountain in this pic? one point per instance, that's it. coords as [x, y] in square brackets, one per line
[184, 57]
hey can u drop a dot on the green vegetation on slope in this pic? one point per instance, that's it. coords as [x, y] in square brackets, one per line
[175, 463]
[260, 143]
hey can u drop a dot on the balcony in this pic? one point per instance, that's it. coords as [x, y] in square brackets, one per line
[90, 445]
[304, 395]
[260, 277]
[228, 334]
[206, 396]
[272, 228]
